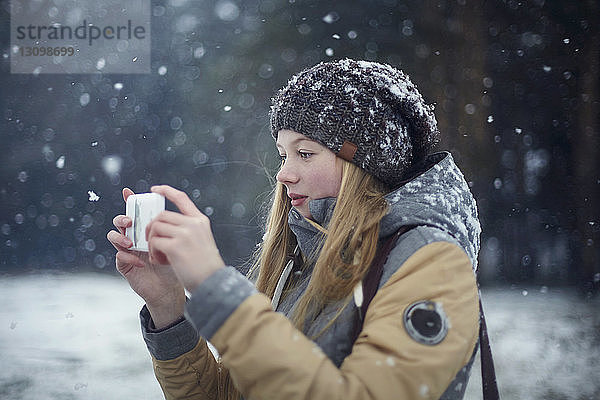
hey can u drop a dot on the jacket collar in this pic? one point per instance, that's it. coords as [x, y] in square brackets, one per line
[307, 235]
[439, 197]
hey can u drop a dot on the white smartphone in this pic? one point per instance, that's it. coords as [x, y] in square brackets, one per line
[142, 208]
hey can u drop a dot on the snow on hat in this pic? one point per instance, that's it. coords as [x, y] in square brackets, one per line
[368, 113]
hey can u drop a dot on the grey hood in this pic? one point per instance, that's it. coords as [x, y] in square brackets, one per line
[439, 197]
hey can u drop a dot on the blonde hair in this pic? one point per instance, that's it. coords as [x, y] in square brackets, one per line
[348, 246]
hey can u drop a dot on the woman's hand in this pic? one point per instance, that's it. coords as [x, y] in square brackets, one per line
[156, 284]
[184, 241]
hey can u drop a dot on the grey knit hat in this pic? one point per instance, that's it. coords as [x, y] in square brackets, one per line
[368, 113]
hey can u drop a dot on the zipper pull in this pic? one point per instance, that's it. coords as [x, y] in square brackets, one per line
[359, 298]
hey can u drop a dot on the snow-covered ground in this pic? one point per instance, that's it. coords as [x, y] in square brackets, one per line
[77, 337]
[72, 337]
[545, 344]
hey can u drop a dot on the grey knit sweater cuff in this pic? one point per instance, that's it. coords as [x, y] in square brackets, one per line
[169, 343]
[215, 299]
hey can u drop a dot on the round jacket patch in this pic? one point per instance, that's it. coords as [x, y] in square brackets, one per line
[426, 322]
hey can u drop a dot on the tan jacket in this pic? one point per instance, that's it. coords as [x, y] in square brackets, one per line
[269, 359]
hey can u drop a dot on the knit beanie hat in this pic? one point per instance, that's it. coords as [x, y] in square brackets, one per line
[367, 113]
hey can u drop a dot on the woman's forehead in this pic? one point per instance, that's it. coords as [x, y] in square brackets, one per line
[287, 137]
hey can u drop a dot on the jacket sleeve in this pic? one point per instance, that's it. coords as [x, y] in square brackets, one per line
[268, 358]
[193, 375]
[183, 364]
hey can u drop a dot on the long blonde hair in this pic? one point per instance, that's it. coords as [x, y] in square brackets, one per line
[348, 247]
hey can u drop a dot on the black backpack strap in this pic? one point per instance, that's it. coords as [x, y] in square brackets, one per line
[488, 372]
[371, 281]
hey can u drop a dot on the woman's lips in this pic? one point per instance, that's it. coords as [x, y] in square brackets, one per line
[297, 199]
[298, 202]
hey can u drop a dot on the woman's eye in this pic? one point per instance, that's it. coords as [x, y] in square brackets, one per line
[304, 154]
[282, 156]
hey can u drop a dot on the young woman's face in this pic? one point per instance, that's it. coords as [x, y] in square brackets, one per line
[309, 170]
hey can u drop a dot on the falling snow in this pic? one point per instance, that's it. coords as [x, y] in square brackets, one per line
[513, 100]
[92, 196]
[60, 162]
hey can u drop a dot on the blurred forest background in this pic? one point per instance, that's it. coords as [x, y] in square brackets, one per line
[515, 83]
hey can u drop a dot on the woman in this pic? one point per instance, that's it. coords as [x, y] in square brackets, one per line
[354, 138]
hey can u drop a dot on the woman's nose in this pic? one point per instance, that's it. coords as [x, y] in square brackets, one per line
[286, 174]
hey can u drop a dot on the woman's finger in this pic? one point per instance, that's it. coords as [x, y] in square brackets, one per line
[162, 229]
[179, 198]
[119, 241]
[122, 222]
[126, 193]
[159, 247]
[126, 259]
[172, 217]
